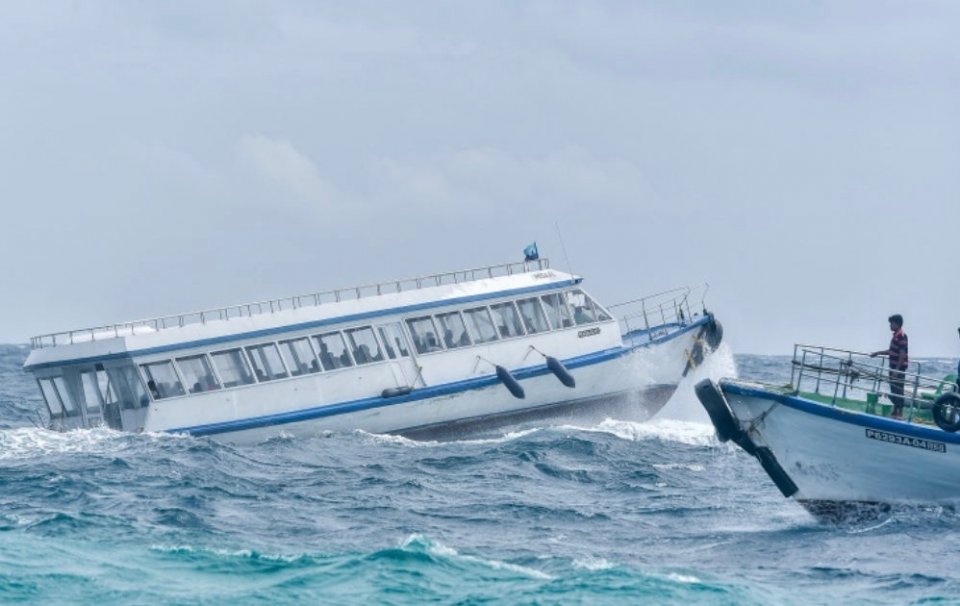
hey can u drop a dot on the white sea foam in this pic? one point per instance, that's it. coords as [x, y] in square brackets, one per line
[683, 578]
[400, 440]
[438, 549]
[592, 563]
[683, 405]
[694, 434]
[29, 442]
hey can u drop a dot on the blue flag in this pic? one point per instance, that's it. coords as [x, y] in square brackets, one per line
[530, 253]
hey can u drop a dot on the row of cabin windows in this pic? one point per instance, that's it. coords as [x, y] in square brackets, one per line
[270, 361]
[356, 346]
[484, 324]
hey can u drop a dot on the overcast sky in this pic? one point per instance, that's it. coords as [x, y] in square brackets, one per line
[802, 158]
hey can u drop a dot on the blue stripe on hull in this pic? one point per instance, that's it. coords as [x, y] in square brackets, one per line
[329, 410]
[844, 416]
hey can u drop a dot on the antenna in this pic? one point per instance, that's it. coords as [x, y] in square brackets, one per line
[563, 247]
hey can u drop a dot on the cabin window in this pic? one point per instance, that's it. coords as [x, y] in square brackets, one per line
[65, 398]
[162, 380]
[424, 333]
[363, 344]
[480, 324]
[394, 341]
[299, 356]
[125, 382]
[557, 311]
[585, 310]
[232, 367]
[197, 374]
[105, 386]
[91, 390]
[454, 330]
[50, 395]
[333, 351]
[532, 315]
[267, 365]
[506, 319]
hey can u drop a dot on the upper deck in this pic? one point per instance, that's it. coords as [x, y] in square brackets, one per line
[408, 294]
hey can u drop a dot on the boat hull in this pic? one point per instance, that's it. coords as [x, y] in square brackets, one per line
[631, 383]
[830, 459]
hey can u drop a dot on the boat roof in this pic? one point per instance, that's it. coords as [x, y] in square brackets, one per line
[356, 303]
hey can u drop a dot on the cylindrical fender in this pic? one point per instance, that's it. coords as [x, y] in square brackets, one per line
[393, 392]
[714, 334]
[946, 412]
[511, 383]
[776, 472]
[561, 372]
[716, 406]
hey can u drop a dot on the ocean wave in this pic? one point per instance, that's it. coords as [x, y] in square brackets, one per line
[670, 430]
[29, 442]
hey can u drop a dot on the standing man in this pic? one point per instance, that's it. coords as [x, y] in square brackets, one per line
[897, 352]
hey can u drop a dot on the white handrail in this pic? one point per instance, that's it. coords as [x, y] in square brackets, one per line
[287, 303]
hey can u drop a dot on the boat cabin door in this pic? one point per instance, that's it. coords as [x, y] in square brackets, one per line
[402, 362]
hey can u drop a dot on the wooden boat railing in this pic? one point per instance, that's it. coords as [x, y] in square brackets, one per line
[230, 312]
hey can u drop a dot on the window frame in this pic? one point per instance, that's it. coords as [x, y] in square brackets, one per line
[53, 389]
[253, 366]
[353, 346]
[470, 326]
[517, 316]
[248, 367]
[388, 346]
[346, 349]
[436, 333]
[208, 366]
[142, 372]
[562, 298]
[543, 315]
[439, 322]
[313, 350]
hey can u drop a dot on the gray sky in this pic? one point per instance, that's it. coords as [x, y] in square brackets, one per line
[803, 158]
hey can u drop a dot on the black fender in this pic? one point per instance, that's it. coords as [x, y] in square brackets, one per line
[776, 472]
[946, 412]
[393, 392]
[510, 382]
[717, 408]
[561, 372]
[714, 332]
[723, 419]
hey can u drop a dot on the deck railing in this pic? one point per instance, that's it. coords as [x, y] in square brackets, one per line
[659, 310]
[271, 306]
[840, 374]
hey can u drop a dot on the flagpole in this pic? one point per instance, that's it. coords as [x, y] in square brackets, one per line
[563, 247]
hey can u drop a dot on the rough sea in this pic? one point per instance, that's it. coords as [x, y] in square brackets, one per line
[615, 513]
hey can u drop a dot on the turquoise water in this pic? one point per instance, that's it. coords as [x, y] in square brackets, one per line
[615, 513]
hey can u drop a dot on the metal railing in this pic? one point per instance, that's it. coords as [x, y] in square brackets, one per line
[841, 374]
[316, 299]
[658, 310]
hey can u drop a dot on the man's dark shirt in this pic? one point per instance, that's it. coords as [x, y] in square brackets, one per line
[898, 351]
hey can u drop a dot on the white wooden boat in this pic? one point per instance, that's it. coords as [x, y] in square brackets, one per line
[828, 441]
[408, 356]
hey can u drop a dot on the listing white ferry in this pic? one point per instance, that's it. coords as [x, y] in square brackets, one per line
[410, 356]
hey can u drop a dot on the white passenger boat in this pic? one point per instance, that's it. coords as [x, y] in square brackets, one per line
[828, 441]
[411, 356]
